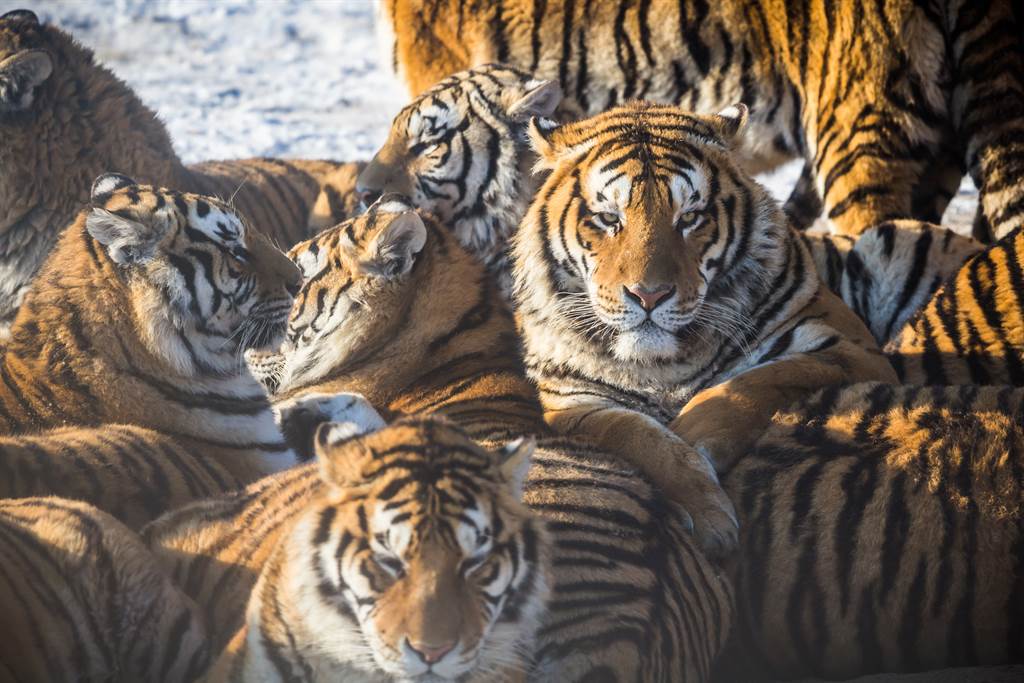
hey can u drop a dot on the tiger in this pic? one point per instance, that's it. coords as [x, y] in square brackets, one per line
[140, 317]
[882, 530]
[393, 308]
[888, 103]
[81, 599]
[972, 330]
[412, 558]
[65, 119]
[460, 151]
[663, 300]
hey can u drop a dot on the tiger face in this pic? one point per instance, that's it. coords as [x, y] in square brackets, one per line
[357, 279]
[460, 151]
[643, 225]
[24, 63]
[424, 542]
[204, 287]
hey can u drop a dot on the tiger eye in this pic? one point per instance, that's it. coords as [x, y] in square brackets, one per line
[688, 217]
[607, 218]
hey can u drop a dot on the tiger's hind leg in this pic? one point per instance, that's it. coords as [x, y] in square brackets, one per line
[988, 107]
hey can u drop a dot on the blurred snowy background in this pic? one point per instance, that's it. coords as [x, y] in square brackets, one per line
[289, 78]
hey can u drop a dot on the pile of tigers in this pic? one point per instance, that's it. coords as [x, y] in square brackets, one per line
[551, 389]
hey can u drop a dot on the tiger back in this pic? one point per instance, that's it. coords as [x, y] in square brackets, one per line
[883, 529]
[887, 103]
[392, 307]
[74, 583]
[141, 317]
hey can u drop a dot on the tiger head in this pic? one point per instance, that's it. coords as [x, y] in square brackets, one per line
[424, 543]
[202, 287]
[461, 152]
[25, 63]
[646, 237]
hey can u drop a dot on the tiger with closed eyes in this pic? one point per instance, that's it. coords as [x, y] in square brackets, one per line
[65, 119]
[412, 558]
[461, 151]
[887, 102]
[140, 318]
[395, 309]
[667, 308]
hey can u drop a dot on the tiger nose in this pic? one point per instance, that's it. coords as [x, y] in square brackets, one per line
[293, 287]
[431, 654]
[649, 298]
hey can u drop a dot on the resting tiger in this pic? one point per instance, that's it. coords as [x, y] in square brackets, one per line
[140, 316]
[882, 530]
[887, 102]
[410, 558]
[667, 309]
[394, 308]
[81, 599]
[972, 330]
[460, 151]
[65, 119]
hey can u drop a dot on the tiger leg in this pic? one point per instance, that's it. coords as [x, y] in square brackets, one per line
[988, 101]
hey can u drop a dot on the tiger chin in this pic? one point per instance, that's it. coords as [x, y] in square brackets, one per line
[416, 561]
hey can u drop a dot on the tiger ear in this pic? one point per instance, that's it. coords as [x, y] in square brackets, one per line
[129, 241]
[393, 251]
[20, 75]
[543, 136]
[729, 122]
[340, 452]
[515, 463]
[540, 99]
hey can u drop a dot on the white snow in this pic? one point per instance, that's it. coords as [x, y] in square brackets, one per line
[286, 78]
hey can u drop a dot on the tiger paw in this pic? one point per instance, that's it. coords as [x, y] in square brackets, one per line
[299, 418]
[695, 487]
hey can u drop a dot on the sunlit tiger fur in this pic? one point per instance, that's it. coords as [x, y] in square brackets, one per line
[458, 153]
[888, 273]
[883, 530]
[394, 308]
[132, 473]
[887, 101]
[65, 119]
[664, 301]
[81, 599]
[411, 559]
[972, 330]
[141, 316]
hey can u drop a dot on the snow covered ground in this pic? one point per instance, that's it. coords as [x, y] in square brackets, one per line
[298, 78]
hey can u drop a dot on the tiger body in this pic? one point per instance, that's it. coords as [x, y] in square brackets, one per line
[65, 120]
[883, 530]
[460, 151]
[81, 599]
[140, 317]
[664, 301]
[887, 102]
[133, 474]
[385, 311]
[972, 330]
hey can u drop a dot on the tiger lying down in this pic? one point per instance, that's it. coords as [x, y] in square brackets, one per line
[386, 311]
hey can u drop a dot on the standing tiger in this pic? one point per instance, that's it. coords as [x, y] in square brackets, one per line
[140, 316]
[394, 308]
[64, 119]
[461, 151]
[81, 599]
[666, 307]
[410, 557]
[882, 530]
[888, 102]
[972, 330]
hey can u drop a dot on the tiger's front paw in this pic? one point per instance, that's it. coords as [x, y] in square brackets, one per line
[694, 485]
[299, 418]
